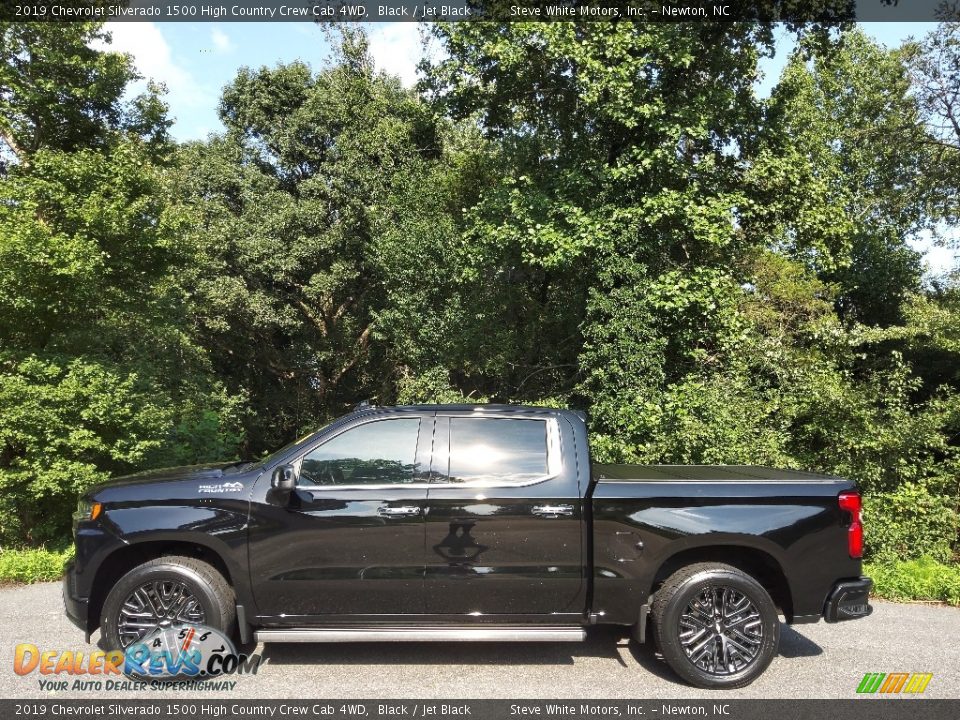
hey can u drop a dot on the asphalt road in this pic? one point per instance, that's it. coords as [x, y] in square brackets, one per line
[816, 661]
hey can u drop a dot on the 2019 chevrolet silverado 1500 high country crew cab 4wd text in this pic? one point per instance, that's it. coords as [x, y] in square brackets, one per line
[471, 523]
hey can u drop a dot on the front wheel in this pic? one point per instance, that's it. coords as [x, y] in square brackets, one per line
[162, 592]
[715, 625]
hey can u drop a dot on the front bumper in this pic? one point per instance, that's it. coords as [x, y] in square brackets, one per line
[849, 600]
[77, 608]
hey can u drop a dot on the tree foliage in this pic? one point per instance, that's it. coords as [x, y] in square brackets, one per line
[934, 67]
[602, 216]
[97, 373]
[295, 216]
[840, 172]
[735, 276]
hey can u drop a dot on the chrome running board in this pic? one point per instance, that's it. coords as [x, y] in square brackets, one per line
[568, 633]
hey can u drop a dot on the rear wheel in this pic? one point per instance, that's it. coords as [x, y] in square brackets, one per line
[163, 592]
[715, 625]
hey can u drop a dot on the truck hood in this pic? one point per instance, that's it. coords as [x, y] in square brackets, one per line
[186, 481]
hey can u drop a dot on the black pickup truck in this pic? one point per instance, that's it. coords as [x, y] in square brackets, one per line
[473, 522]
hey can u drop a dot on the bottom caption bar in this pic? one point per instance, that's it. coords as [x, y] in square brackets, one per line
[863, 708]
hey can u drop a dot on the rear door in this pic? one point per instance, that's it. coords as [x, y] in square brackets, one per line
[503, 519]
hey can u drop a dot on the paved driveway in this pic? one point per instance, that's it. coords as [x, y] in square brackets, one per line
[816, 661]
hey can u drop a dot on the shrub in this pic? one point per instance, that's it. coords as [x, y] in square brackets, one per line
[68, 424]
[909, 523]
[923, 579]
[33, 564]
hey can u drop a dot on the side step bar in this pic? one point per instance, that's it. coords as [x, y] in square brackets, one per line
[566, 633]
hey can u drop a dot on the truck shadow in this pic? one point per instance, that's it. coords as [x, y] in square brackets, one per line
[794, 645]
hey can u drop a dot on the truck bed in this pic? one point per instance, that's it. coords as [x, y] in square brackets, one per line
[787, 522]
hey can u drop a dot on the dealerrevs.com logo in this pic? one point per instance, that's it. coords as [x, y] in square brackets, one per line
[176, 655]
[186, 650]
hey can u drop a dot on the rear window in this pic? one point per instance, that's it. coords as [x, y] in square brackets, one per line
[497, 450]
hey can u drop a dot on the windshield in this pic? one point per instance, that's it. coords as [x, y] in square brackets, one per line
[277, 453]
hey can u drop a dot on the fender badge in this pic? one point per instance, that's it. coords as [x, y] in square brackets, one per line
[221, 488]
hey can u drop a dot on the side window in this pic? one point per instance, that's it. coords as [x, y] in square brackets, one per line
[497, 450]
[376, 453]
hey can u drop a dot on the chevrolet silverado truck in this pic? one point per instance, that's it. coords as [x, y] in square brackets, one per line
[471, 522]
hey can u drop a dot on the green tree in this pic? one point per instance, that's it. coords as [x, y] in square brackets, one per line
[839, 174]
[604, 261]
[96, 374]
[692, 265]
[934, 64]
[305, 243]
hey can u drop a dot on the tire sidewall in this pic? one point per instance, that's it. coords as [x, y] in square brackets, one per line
[670, 633]
[198, 586]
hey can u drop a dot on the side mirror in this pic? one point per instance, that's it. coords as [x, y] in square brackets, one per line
[284, 478]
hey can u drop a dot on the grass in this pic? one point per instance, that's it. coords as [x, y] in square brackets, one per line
[923, 579]
[32, 565]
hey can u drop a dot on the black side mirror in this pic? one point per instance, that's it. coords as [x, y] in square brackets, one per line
[284, 478]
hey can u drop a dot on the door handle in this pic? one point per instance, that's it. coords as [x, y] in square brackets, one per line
[552, 511]
[398, 511]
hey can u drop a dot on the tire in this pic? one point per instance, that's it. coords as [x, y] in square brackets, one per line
[729, 651]
[212, 601]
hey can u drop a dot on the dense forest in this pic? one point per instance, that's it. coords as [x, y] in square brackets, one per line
[598, 216]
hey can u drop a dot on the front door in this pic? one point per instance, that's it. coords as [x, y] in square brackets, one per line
[503, 523]
[350, 540]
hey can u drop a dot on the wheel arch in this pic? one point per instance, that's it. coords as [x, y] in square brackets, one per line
[757, 563]
[124, 559]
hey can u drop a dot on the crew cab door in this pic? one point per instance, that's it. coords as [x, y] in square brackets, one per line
[350, 540]
[503, 519]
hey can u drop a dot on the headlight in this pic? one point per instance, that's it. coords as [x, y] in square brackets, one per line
[87, 510]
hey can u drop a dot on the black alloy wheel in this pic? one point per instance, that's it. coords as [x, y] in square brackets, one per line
[157, 604]
[721, 630]
[166, 591]
[715, 625]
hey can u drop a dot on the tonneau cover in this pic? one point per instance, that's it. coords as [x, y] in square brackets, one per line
[675, 473]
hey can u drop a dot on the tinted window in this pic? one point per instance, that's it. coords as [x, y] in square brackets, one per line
[497, 450]
[375, 453]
